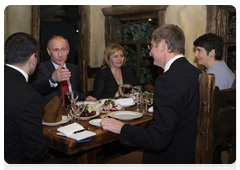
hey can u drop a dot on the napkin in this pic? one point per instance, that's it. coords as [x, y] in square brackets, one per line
[52, 112]
[151, 109]
[124, 101]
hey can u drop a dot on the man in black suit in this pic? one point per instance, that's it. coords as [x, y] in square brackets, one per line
[171, 137]
[23, 134]
[51, 73]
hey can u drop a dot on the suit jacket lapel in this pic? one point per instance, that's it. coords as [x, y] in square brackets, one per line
[50, 66]
[112, 79]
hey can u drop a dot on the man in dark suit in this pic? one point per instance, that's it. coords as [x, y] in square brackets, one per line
[23, 134]
[51, 73]
[171, 136]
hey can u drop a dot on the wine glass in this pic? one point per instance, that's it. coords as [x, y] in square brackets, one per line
[73, 97]
[137, 100]
[137, 88]
[126, 89]
[78, 108]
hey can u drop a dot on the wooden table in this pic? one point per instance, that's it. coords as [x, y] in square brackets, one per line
[86, 152]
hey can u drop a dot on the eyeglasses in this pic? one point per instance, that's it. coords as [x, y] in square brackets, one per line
[149, 47]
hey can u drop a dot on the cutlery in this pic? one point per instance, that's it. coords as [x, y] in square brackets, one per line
[53, 129]
[81, 130]
[147, 114]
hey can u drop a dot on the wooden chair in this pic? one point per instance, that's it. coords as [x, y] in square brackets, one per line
[216, 121]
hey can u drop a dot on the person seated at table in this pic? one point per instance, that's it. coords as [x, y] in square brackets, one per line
[56, 76]
[24, 141]
[171, 136]
[209, 49]
[113, 74]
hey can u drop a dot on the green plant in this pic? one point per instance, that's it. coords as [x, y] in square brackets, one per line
[139, 30]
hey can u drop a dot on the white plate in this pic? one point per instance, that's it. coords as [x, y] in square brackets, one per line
[90, 117]
[125, 115]
[65, 119]
[95, 122]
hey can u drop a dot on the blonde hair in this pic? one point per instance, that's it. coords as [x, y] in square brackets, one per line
[111, 49]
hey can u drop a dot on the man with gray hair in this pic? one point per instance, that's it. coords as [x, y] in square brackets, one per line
[171, 137]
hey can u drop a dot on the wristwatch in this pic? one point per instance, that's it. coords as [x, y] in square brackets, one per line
[52, 80]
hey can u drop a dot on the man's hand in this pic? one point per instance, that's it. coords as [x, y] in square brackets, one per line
[112, 125]
[61, 74]
[90, 98]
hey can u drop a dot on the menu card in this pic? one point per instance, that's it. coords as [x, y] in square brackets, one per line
[75, 131]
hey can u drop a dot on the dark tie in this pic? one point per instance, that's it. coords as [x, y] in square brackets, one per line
[64, 88]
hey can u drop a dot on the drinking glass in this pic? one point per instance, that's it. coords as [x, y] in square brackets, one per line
[143, 105]
[137, 100]
[70, 111]
[78, 107]
[67, 99]
[126, 89]
[73, 97]
[137, 88]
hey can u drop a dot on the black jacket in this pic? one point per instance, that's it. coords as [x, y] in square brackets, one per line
[23, 130]
[171, 137]
[41, 81]
[105, 85]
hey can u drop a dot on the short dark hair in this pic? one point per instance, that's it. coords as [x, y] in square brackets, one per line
[173, 35]
[19, 47]
[211, 41]
[57, 36]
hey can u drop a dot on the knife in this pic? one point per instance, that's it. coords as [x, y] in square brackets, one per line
[148, 114]
[52, 129]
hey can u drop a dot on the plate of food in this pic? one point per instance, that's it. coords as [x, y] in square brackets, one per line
[89, 112]
[125, 115]
[65, 119]
[108, 105]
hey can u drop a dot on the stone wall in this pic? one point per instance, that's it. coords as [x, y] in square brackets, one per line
[192, 20]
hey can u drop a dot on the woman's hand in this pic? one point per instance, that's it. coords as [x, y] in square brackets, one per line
[119, 92]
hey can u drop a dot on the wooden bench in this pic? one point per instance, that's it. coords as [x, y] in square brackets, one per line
[216, 121]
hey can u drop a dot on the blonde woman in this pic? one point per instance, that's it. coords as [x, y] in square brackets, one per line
[113, 74]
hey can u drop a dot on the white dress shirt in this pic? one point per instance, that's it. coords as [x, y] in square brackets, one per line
[20, 70]
[169, 63]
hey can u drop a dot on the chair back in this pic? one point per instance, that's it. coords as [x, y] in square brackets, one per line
[216, 121]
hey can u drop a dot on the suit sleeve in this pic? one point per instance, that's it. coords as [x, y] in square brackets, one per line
[40, 80]
[100, 86]
[164, 123]
[29, 121]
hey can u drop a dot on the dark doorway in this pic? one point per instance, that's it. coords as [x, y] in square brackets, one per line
[62, 20]
[64, 29]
